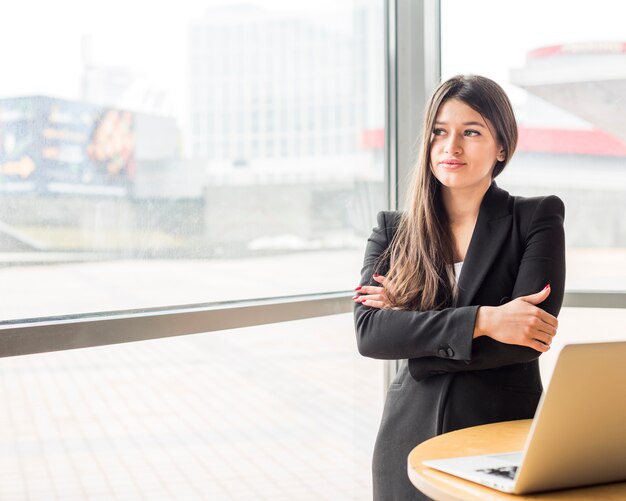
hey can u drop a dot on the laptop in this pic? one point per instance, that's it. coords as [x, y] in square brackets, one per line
[578, 435]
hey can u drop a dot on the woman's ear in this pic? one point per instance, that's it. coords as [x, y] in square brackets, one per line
[501, 156]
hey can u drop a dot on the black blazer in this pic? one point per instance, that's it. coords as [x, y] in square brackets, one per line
[449, 380]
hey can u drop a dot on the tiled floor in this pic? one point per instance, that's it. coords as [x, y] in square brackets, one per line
[277, 412]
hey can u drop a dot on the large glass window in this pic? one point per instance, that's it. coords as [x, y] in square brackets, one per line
[198, 152]
[563, 65]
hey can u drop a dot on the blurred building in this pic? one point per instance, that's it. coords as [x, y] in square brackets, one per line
[267, 85]
[587, 80]
[572, 137]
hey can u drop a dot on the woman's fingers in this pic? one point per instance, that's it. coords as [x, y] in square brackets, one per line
[519, 322]
[536, 339]
[375, 304]
[543, 337]
[371, 295]
[547, 328]
[373, 300]
[538, 346]
[370, 289]
[547, 318]
[376, 297]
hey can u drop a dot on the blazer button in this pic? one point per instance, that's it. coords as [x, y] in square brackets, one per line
[442, 352]
[450, 352]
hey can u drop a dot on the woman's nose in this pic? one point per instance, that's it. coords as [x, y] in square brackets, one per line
[452, 145]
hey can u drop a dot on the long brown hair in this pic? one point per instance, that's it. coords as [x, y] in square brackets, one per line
[421, 275]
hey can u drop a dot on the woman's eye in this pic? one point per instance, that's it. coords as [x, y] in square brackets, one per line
[471, 132]
[438, 132]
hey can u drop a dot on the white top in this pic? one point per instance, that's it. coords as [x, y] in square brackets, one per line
[457, 270]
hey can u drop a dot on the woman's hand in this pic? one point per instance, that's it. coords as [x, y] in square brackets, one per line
[519, 322]
[373, 296]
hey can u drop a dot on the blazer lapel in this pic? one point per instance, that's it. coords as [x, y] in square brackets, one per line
[492, 227]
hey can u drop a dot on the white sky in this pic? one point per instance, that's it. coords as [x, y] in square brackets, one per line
[40, 41]
[489, 37]
[41, 52]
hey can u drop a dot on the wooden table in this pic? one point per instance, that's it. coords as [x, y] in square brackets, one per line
[491, 438]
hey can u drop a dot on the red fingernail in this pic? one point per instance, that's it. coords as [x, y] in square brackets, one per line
[355, 297]
[357, 288]
[376, 274]
[363, 300]
[546, 287]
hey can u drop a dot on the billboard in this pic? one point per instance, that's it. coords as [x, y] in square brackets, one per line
[55, 145]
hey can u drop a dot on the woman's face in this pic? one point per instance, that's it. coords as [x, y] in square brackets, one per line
[463, 150]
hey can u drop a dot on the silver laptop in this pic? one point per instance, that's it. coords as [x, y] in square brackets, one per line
[578, 436]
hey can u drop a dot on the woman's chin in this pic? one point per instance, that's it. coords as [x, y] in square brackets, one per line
[457, 181]
[453, 182]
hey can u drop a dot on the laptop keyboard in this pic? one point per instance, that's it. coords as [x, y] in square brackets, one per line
[503, 471]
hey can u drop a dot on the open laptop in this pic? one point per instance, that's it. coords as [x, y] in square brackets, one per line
[578, 435]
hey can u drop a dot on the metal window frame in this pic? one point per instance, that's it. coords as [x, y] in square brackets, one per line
[413, 67]
[98, 329]
[83, 331]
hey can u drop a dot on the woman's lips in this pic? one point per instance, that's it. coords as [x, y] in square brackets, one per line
[451, 165]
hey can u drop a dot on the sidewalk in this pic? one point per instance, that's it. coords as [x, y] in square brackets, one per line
[286, 411]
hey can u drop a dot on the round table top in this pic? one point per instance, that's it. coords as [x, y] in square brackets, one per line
[487, 439]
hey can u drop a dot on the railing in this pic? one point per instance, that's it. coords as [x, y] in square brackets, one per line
[22, 337]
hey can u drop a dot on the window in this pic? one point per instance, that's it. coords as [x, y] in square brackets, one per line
[128, 191]
[122, 191]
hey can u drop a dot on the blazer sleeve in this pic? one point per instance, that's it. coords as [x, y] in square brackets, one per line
[397, 334]
[543, 262]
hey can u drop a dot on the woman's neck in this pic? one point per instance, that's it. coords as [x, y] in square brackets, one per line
[462, 205]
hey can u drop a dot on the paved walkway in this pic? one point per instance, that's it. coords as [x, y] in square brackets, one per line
[276, 412]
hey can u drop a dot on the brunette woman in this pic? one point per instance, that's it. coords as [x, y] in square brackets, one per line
[463, 287]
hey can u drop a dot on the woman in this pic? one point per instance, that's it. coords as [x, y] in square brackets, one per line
[464, 286]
